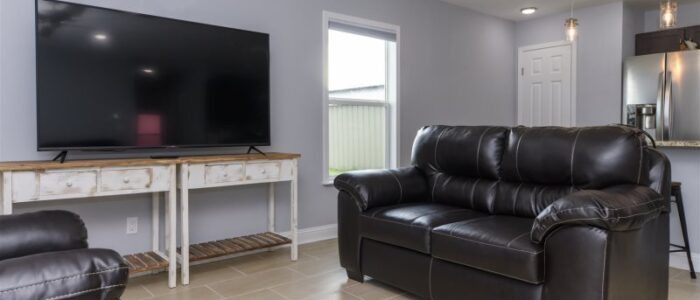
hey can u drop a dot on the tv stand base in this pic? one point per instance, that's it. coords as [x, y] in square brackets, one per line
[61, 156]
[255, 149]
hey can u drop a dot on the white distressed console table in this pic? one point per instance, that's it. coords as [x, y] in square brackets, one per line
[24, 182]
[200, 172]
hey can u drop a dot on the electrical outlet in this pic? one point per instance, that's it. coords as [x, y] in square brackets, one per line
[132, 225]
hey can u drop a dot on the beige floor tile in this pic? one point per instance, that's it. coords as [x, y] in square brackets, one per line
[317, 266]
[259, 295]
[211, 273]
[683, 291]
[317, 285]
[372, 290]
[317, 276]
[323, 249]
[334, 296]
[135, 292]
[404, 297]
[257, 281]
[199, 293]
[266, 261]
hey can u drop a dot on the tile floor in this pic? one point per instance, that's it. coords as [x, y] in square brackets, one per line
[316, 276]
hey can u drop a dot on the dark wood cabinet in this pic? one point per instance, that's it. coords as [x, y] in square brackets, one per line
[692, 33]
[659, 41]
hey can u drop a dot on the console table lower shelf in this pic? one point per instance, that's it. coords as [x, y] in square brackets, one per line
[146, 263]
[236, 245]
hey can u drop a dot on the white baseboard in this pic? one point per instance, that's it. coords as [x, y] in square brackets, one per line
[316, 234]
[679, 260]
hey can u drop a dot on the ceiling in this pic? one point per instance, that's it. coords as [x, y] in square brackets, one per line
[510, 9]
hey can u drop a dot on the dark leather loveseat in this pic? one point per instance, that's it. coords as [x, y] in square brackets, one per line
[513, 213]
[44, 255]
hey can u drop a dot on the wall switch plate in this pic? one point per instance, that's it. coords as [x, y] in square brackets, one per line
[132, 225]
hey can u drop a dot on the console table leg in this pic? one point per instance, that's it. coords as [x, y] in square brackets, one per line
[172, 228]
[7, 193]
[155, 221]
[294, 209]
[185, 220]
[271, 208]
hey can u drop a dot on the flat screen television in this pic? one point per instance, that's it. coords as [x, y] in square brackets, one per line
[109, 79]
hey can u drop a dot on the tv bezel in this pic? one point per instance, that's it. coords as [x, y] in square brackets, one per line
[268, 142]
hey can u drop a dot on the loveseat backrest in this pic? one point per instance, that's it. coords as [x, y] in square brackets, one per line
[586, 158]
[520, 171]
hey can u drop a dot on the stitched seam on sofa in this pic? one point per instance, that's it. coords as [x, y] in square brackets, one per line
[435, 182]
[641, 158]
[438, 212]
[608, 209]
[602, 219]
[517, 156]
[63, 278]
[517, 193]
[473, 201]
[452, 230]
[395, 222]
[478, 151]
[487, 270]
[85, 292]
[573, 152]
[383, 209]
[400, 185]
[478, 242]
[351, 190]
[605, 263]
[437, 142]
[516, 238]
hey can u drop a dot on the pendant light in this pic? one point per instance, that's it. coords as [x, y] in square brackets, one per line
[668, 14]
[571, 26]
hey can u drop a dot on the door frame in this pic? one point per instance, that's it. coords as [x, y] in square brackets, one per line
[574, 59]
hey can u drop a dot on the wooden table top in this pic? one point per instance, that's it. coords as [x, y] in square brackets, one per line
[134, 162]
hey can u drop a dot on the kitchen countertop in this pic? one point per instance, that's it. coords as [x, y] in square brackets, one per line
[678, 144]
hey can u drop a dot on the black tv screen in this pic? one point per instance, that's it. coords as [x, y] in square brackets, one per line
[109, 79]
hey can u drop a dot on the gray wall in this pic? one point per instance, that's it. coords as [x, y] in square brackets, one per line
[599, 51]
[456, 68]
[688, 15]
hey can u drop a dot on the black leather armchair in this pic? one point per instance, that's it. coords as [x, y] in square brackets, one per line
[513, 213]
[44, 255]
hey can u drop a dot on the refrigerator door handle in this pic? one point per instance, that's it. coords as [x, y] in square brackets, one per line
[668, 107]
[660, 107]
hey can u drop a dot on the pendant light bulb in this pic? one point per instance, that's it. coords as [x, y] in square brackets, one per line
[571, 29]
[669, 14]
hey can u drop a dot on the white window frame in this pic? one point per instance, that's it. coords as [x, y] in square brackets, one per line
[392, 103]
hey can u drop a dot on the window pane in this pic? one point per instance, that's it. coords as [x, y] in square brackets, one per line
[357, 66]
[357, 138]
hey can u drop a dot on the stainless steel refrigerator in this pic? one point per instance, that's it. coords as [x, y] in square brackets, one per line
[661, 94]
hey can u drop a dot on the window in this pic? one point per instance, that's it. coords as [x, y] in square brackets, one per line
[361, 95]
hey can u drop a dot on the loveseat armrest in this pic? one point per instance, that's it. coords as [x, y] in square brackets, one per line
[376, 188]
[39, 232]
[619, 208]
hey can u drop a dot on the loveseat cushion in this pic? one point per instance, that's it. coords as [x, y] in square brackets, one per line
[72, 274]
[408, 225]
[495, 244]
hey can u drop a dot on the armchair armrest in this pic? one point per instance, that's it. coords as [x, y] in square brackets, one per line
[40, 232]
[619, 208]
[378, 188]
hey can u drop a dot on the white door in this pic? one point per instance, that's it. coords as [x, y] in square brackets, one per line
[546, 85]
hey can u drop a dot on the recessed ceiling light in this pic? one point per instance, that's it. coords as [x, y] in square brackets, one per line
[528, 10]
[148, 71]
[100, 36]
